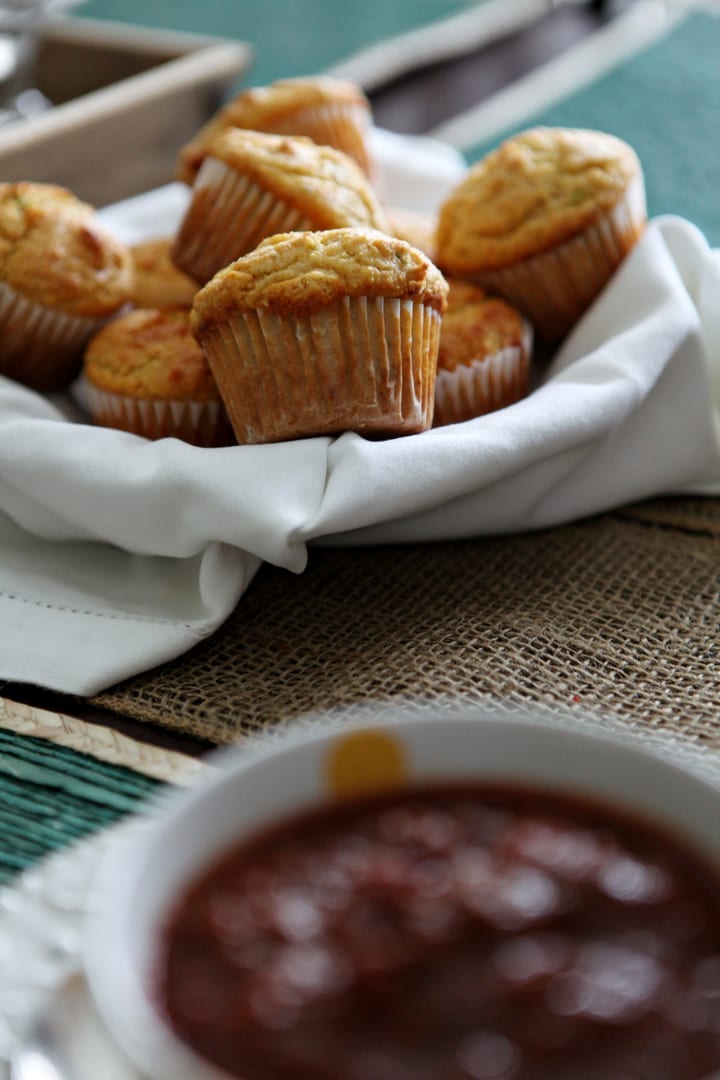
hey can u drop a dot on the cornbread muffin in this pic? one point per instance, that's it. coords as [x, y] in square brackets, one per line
[157, 282]
[544, 221]
[252, 185]
[415, 228]
[484, 355]
[145, 373]
[61, 275]
[323, 332]
[332, 112]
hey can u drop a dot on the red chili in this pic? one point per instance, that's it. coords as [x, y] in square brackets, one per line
[451, 934]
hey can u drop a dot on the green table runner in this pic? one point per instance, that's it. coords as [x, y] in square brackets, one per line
[51, 796]
[665, 102]
[290, 37]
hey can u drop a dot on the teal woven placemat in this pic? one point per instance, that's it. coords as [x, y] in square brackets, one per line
[664, 101]
[290, 37]
[51, 796]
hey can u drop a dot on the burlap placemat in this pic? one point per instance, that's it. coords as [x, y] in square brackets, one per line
[614, 616]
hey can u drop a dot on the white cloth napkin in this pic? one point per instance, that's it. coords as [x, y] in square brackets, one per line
[117, 554]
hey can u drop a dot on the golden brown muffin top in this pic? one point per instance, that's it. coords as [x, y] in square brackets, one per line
[322, 183]
[534, 191]
[269, 108]
[302, 272]
[476, 326]
[151, 355]
[157, 282]
[53, 250]
[262, 104]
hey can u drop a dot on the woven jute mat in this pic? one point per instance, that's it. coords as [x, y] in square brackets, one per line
[616, 616]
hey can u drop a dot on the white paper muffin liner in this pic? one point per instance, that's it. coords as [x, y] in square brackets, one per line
[554, 288]
[203, 423]
[41, 348]
[483, 385]
[364, 364]
[228, 216]
[341, 125]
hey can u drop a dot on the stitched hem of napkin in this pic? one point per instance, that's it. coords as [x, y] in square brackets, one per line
[199, 630]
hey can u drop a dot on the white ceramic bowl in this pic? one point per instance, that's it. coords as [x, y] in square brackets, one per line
[144, 872]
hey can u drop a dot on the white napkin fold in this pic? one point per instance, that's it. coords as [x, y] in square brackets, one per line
[117, 554]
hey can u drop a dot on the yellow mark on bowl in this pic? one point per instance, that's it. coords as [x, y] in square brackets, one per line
[365, 761]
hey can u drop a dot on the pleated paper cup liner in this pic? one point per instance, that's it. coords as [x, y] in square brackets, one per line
[41, 348]
[228, 216]
[364, 364]
[482, 386]
[554, 288]
[341, 125]
[202, 423]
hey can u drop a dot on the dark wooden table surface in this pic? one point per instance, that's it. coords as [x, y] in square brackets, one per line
[425, 98]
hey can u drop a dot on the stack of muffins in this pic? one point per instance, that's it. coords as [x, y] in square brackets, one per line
[292, 302]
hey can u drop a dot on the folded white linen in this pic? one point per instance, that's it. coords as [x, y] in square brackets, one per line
[117, 554]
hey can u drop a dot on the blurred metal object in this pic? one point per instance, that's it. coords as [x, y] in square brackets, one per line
[21, 22]
[125, 99]
[66, 1041]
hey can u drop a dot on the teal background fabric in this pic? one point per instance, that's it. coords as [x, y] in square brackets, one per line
[290, 37]
[51, 796]
[665, 102]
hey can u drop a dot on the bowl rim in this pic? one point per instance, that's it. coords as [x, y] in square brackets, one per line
[137, 1026]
